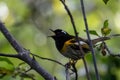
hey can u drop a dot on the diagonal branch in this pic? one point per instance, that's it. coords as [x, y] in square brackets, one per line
[10, 38]
[48, 59]
[75, 70]
[9, 55]
[109, 52]
[67, 73]
[81, 52]
[23, 54]
[71, 18]
[89, 39]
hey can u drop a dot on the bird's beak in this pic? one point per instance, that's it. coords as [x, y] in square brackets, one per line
[53, 32]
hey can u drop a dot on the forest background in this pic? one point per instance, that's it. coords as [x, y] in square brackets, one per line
[29, 22]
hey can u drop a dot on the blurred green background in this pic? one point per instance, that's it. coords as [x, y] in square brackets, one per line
[29, 22]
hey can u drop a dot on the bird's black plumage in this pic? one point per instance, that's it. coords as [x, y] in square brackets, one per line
[60, 38]
[68, 46]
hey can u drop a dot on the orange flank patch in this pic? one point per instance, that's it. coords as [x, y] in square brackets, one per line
[66, 44]
[73, 42]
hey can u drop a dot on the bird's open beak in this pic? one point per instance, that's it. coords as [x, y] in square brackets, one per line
[53, 32]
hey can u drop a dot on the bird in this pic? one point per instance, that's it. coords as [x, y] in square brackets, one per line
[68, 46]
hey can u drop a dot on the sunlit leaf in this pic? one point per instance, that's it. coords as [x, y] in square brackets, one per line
[6, 60]
[105, 1]
[105, 24]
[93, 32]
[105, 30]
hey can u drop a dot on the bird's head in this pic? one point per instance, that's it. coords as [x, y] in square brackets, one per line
[60, 37]
[58, 33]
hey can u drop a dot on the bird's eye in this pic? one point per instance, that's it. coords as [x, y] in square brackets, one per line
[64, 32]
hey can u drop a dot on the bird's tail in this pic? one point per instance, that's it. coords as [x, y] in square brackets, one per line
[94, 41]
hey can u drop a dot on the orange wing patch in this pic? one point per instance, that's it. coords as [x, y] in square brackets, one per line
[73, 42]
[66, 44]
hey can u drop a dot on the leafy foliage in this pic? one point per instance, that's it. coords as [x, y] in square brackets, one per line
[21, 27]
[6, 60]
[105, 30]
[7, 70]
[105, 1]
[105, 24]
[93, 32]
[4, 72]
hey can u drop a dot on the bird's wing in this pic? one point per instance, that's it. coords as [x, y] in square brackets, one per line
[84, 43]
[74, 44]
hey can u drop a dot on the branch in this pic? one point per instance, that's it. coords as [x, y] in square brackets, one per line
[9, 55]
[89, 39]
[48, 59]
[87, 72]
[51, 60]
[81, 52]
[74, 27]
[67, 72]
[109, 52]
[23, 54]
[75, 70]
[34, 65]
[10, 39]
[71, 17]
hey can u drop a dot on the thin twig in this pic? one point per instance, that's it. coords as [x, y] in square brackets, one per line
[115, 35]
[75, 70]
[89, 39]
[28, 70]
[71, 18]
[67, 73]
[109, 52]
[87, 72]
[23, 75]
[9, 55]
[73, 24]
[49, 59]
[76, 35]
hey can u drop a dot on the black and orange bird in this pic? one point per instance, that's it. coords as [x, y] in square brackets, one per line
[68, 46]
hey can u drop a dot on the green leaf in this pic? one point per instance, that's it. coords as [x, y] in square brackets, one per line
[105, 30]
[105, 24]
[105, 1]
[93, 32]
[6, 60]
